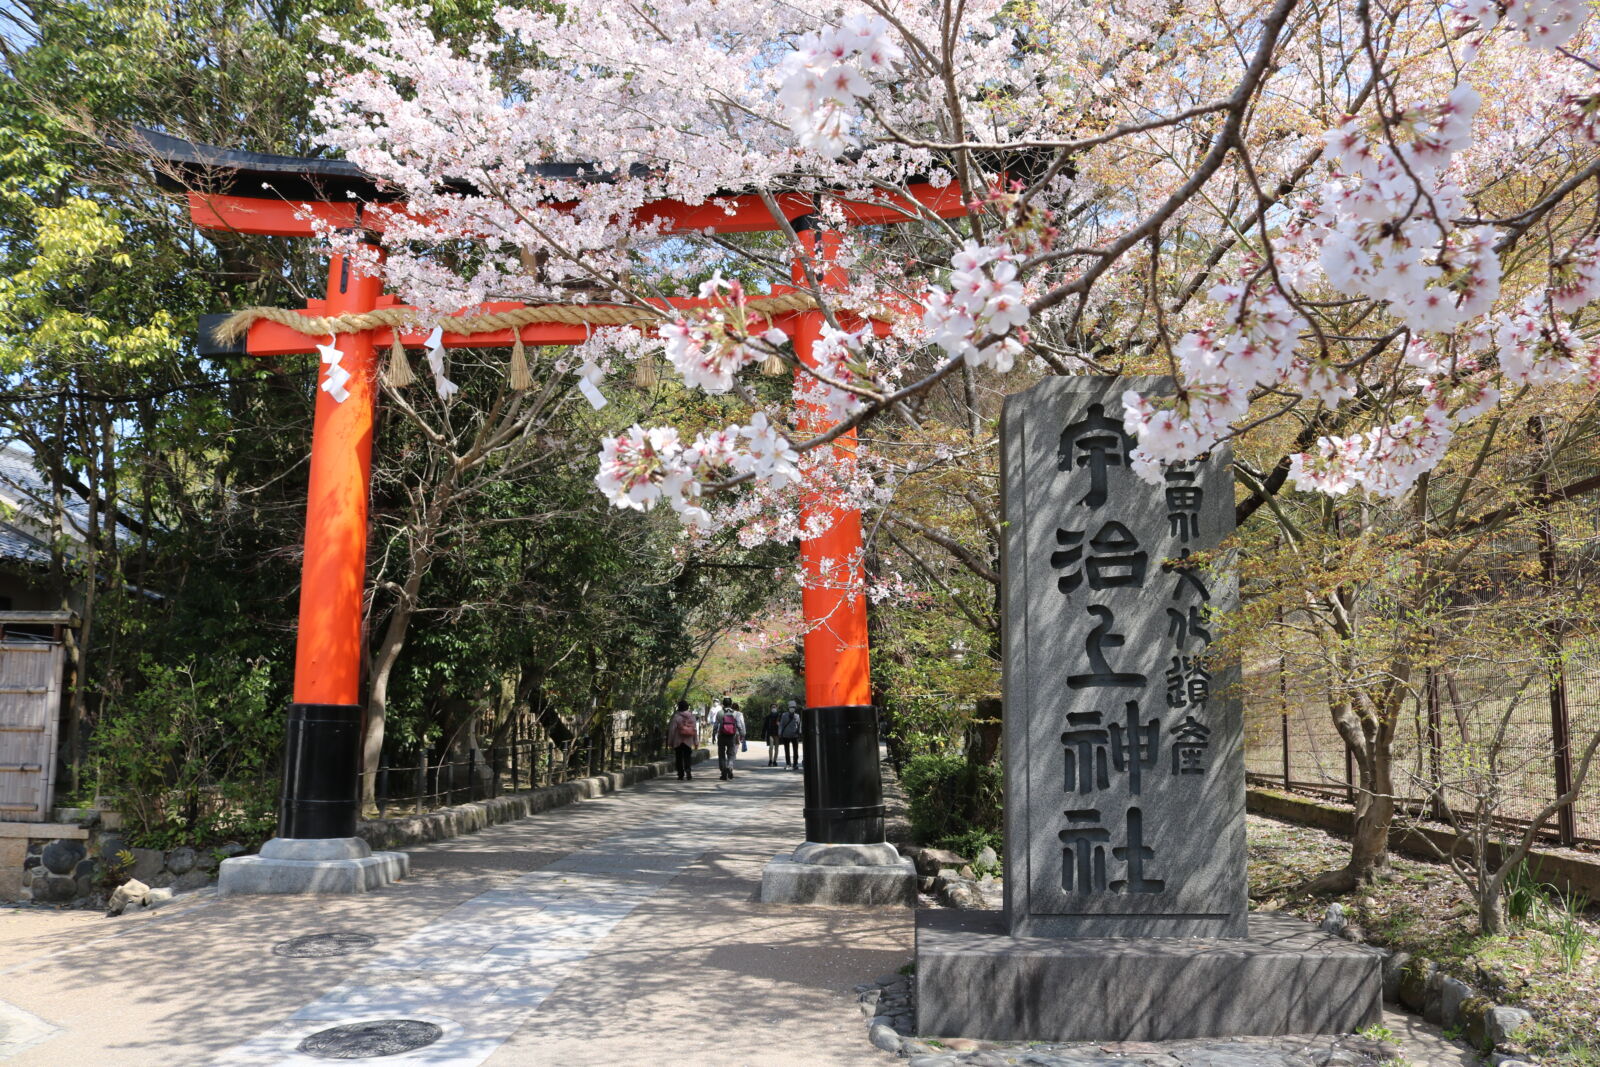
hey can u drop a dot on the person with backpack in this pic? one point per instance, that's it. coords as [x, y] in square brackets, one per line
[789, 734]
[683, 732]
[729, 731]
[769, 734]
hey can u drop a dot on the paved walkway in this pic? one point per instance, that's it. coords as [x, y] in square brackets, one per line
[619, 931]
[616, 931]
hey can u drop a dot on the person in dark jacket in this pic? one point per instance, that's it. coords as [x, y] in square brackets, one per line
[769, 734]
[789, 729]
[682, 733]
[729, 732]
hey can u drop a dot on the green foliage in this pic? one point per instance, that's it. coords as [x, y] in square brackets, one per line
[1531, 902]
[1571, 936]
[115, 870]
[774, 687]
[190, 752]
[933, 666]
[539, 597]
[970, 843]
[948, 797]
[1523, 893]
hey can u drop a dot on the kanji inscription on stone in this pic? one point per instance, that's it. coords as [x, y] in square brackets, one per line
[1123, 732]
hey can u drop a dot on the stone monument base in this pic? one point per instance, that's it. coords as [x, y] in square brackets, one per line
[312, 865]
[1287, 977]
[851, 875]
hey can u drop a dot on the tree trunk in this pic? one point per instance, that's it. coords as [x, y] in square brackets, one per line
[1491, 906]
[394, 640]
[1369, 845]
[1369, 842]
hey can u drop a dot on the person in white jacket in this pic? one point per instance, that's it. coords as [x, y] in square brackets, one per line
[728, 731]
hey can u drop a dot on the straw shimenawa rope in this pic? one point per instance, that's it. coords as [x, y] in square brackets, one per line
[238, 324]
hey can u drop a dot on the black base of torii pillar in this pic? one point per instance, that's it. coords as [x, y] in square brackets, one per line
[321, 771]
[844, 787]
[317, 850]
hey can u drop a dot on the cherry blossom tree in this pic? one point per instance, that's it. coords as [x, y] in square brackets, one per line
[1377, 217]
[1353, 231]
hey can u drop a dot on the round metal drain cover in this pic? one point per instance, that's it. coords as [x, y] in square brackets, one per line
[317, 946]
[363, 1041]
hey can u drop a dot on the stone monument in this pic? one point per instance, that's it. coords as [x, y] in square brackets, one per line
[1126, 911]
[1123, 737]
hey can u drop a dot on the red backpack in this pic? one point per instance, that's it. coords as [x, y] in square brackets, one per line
[687, 730]
[729, 727]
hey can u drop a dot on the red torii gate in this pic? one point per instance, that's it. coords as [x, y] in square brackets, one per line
[255, 193]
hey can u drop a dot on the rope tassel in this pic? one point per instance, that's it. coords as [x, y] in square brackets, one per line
[521, 376]
[774, 365]
[645, 375]
[398, 373]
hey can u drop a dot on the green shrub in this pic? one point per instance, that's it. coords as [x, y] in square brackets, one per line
[190, 755]
[971, 842]
[949, 799]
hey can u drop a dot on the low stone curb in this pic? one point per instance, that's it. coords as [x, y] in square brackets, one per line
[950, 879]
[389, 834]
[1417, 984]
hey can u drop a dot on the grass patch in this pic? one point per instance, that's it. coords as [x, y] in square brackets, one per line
[1548, 962]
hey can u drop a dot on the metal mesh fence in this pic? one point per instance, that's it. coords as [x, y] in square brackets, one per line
[1583, 712]
[1479, 725]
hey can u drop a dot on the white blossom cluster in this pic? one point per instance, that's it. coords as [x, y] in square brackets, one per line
[1254, 344]
[1384, 227]
[837, 357]
[687, 100]
[645, 466]
[985, 299]
[1545, 23]
[1381, 228]
[826, 74]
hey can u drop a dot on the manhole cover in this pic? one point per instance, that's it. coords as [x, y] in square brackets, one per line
[316, 946]
[362, 1041]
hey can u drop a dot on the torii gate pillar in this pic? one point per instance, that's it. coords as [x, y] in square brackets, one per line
[317, 850]
[844, 859]
[844, 787]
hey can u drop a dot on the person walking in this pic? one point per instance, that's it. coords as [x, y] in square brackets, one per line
[729, 732]
[769, 734]
[789, 734]
[684, 731]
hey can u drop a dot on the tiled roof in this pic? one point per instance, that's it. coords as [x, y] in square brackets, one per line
[16, 545]
[16, 468]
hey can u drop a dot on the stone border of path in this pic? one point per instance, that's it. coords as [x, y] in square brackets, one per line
[469, 818]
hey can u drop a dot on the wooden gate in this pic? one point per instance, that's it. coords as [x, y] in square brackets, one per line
[30, 706]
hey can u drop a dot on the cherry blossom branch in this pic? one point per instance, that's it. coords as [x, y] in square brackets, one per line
[1238, 103]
